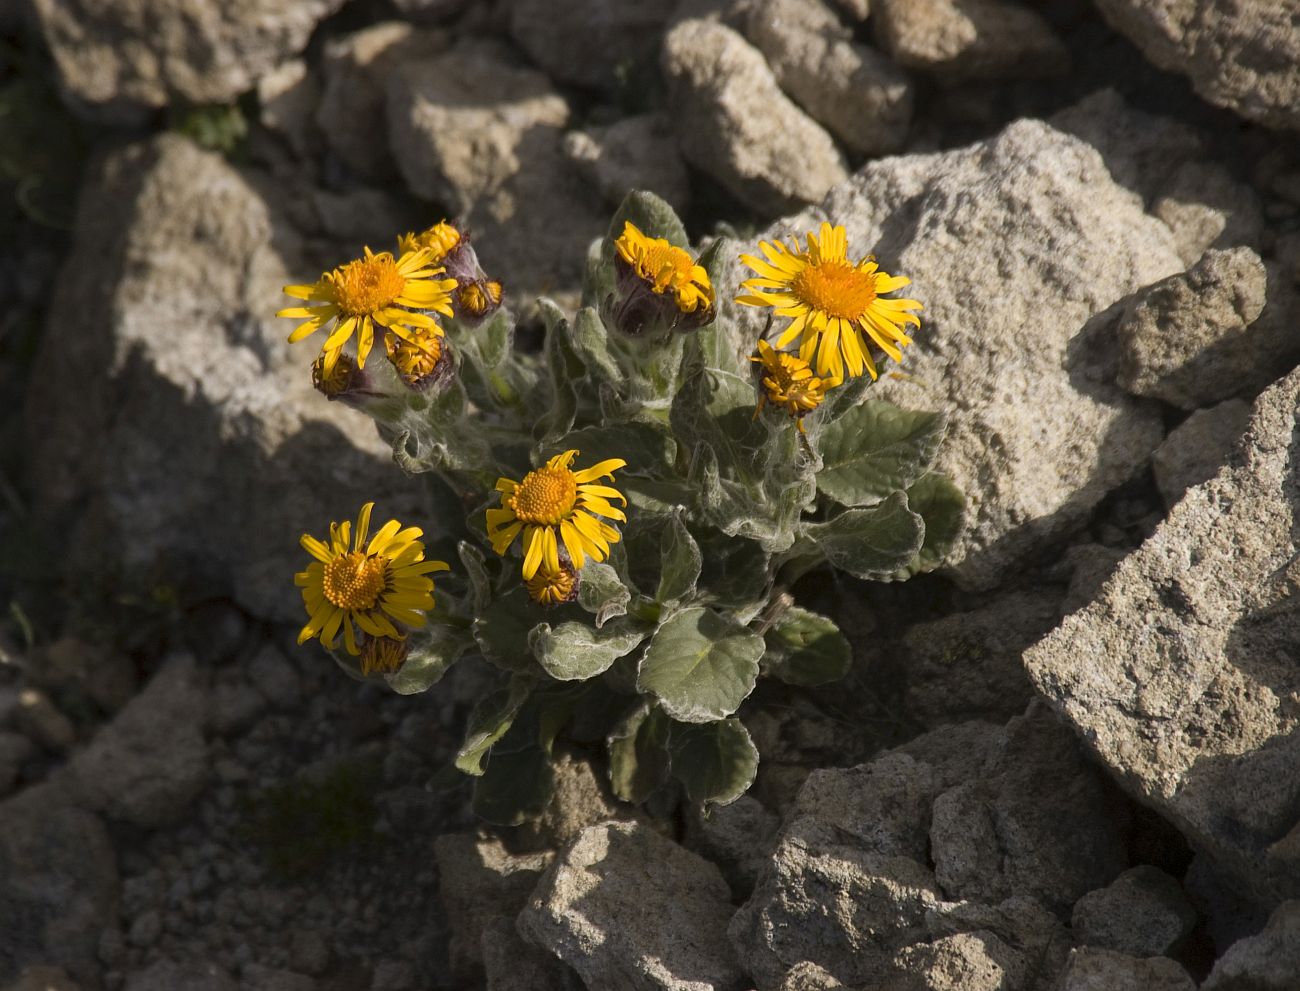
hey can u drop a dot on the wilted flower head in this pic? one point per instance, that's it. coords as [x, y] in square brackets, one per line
[659, 286]
[788, 382]
[383, 654]
[421, 359]
[476, 296]
[832, 302]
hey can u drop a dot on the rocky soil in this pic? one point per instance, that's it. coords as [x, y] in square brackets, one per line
[1066, 762]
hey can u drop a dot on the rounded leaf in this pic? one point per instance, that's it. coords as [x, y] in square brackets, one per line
[716, 762]
[700, 666]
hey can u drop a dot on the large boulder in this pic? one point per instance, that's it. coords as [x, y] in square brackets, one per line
[173, 430]
[1240, 54]
[600, 44]
[1180, 675]
[120, 59]
[1013, 244]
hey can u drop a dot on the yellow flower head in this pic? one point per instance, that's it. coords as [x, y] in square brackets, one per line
[551, 588]
[373, 585]
[335, 383]
[377, 289]
[787, 381]
[554, 504]
[832, 302]
[440, 239]
[419, 359]
[665, 269]
[477, 299]
[383, 654]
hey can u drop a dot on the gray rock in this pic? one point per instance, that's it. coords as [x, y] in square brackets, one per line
[1036, 436]
[151, 761]
[287, 99]
[1091, 969]
[355, 69]
[234, 708]
[1198, 447]
[43, 979]
[1038, 822]
[738, 838]
[106, 675]
[58, 884]
[273, 676]
[627, 908]
[481, 882]
[1178, 674]
[967, 665]
[633, 153]
[855, 10]
[1269, 961]
[510, 964]
[175, 416]
[38, 717]
[1243, 55]
[1207, 208]
[119, 59]
[969, 39]
[579, 799]
[857, 94]
[255, 977]
[600, 44]
[436, 12]
[734, 123]
[1186, 339]
[1143, 912]
[165, 975]
[482, 135]
[977, 961]
[15, 750]
[808, 976]
[1091, 565]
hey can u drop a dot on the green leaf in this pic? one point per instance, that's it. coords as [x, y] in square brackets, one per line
[876, 449]
[576, 652]
[680, 560]
[476, 573]
[490, 721]
[716, 410]
[652, 216]
[564, 366]
[943, 508]
[716, 762]
[433, 650]
[646, 447]
[638, 753]
[590, 342]
[700, 666]
[804, 648]
[736, 572]
[501, 631]
[602, 592]
[871, 543]
[495, 338]
[517, 784]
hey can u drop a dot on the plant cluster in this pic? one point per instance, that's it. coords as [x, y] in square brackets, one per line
[630, 506]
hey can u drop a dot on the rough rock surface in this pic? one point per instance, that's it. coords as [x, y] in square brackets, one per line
[593, 43]
[151, 761]
[121, 58]
[968, 39]
[1003, 346]
[1269, 961]
[1143, 912]
[634, 153]
[482, 135]
[510, 964]
[976, 961]
[1206, 208]
[167, 975]
[1198, 447]
[734, 123]
[58, 883]
[856, 93]
[197, 448]
[1244, 55]
[1105, 970]
[1180, 675]
[627, 908]
[1186, 340]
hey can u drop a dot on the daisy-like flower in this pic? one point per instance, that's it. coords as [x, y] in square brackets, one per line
[658, 283]
[554, 504]
[383, 654]
[476, 296]
[381, 585]
[374, 290]
[552, 588]
[420, 359]
[832, 302]
[787, 381]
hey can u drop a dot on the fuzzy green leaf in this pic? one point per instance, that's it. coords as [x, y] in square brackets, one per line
[516, 784]
[871, 543]
[680, 560]
[565, 367]
[736, 573]
[700, 666]
[490, 721]
[476, 572]
[652, 216]
[716, 409]
[943, 507]
[576, 652]
[804, 648]
[876, 449]
[646, 447]
[590, 342]
[501, 631]
[716, 762]
[433, 650]
[495, 338]
[638, 754]
[603, 593]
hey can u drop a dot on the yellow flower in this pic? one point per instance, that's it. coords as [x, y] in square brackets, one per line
[419, 359]
[373, 585]
[832, 302]
[383, 654]
[344, 377]
[477, 299]
[551, 588]
[554, 504]
[440, 239]
[788, 382]
[665, 268]
[377, 289]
